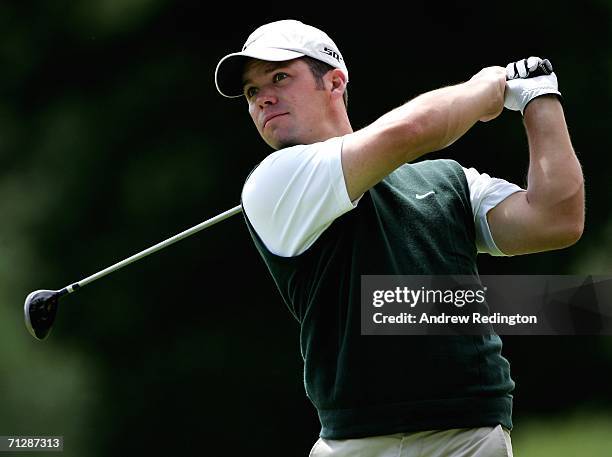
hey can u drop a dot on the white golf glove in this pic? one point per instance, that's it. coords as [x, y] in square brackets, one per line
[526, 80]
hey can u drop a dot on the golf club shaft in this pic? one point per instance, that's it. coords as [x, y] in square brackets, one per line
[212, 221]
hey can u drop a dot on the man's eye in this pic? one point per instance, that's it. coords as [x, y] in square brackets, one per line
[250, 92]
[279, 77]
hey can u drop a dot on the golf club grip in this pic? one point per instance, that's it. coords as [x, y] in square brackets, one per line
[207, 223]
[543, 69]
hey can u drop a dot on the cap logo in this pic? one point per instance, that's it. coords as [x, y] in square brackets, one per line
[331, 52]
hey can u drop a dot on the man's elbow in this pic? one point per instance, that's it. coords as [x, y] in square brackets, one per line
[571, 235]
[567, 232]
[570, 218]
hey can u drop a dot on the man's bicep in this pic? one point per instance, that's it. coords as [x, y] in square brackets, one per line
[517, 228]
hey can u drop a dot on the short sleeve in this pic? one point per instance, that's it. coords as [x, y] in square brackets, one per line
[295, 194]
[486, 193]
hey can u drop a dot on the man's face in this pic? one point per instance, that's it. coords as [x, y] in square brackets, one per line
[284, 102]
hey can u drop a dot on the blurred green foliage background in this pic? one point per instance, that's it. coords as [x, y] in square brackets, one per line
[113, 137]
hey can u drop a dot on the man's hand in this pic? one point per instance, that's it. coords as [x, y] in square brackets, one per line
[494, 78]
[528, 79]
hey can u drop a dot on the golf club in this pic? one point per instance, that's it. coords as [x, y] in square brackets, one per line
[41, 305]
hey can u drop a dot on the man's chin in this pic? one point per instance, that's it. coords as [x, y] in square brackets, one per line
[282, 143]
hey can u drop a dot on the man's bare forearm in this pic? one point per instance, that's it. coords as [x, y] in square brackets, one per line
[438, 118]
[555, 181]
[427, 123]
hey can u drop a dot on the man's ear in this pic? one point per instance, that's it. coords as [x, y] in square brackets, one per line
[338, 82]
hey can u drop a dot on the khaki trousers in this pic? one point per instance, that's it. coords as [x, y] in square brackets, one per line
[458, 442]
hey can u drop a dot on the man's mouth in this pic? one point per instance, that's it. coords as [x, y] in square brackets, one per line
[273, 116]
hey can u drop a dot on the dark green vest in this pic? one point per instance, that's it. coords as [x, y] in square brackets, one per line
[376, 385]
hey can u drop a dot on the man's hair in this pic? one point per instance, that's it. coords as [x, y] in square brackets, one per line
[320, 69]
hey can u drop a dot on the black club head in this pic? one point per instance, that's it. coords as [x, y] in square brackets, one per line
[40, 309]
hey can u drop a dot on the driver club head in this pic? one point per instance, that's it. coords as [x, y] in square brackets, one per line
[40, 309]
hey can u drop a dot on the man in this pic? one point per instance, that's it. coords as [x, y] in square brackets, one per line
[331, 205]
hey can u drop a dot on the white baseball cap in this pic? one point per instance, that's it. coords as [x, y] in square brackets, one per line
[276, 42]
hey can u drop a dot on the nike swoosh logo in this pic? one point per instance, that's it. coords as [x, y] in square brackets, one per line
[421, 197]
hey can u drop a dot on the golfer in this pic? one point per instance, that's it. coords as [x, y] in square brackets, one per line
[332, 204]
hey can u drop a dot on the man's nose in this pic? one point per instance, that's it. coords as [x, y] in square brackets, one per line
[266, 97]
